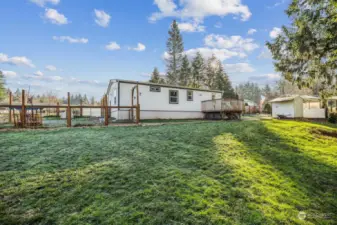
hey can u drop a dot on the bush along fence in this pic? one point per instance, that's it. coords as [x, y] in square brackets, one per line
[27, 114]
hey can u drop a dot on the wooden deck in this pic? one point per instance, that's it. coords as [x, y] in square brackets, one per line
[222, 108]
[222, 105]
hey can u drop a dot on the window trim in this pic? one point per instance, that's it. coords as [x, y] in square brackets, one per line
[170, 91]
[156, 88]
[192, 95]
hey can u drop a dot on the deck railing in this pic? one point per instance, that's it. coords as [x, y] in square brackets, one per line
[222, 105]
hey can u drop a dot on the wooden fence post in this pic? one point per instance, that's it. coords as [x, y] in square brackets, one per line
[58, 109]
[138, 114]
[23, 109]
[10, 108]
[106, 111]
[81, 109]
[68, 112]
[131, 110]
[102, 109]
[138, 106]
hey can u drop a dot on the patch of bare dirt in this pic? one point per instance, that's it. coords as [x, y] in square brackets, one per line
[326, 133]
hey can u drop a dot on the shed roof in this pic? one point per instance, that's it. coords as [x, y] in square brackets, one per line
[284, 99]
[307, 98]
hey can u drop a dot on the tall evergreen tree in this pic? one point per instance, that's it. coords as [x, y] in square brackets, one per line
[211, 70]
[85, 99]
[306, 52]
[162, 81]
[223, 83]
[155, 76]
[185, 72]
[92, 100]
[2, 86]
[175, 49]
[198, 71]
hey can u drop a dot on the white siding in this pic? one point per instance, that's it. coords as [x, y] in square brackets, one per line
[298, 107]
[155, 105]
[283, 108]
[92, 112]
[314, 113]
[113, 99]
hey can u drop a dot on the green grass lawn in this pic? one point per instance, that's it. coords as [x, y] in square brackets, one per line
[250, 172]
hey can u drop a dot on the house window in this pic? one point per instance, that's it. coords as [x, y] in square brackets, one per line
[154, 89]
[189, 95]
[174, 97]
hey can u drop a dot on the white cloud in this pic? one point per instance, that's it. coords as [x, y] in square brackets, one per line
[55, 17]
[265, 54]
[90, 82]
[191, 27]
[222, 47]
[42, 3]
[140, 47]
[102, 18]
[70, 39]
[239, 68]
[276, 4]
[56, 78]
[221, 54]
[236, 43]
[199, 9]
[266, 78]
[40, 77]
[218, 25]
[251, 31]
[112, 46]
[38, 73]
[50, 68]
[9, 73]
[275, 32]
[16, 60]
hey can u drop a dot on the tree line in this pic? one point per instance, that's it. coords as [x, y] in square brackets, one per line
[199, 73]
[50, 98]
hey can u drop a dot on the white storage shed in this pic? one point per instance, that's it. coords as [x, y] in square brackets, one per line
[298, 106]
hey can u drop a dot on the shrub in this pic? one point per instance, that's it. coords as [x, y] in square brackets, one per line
[333, 118]
[267, 108]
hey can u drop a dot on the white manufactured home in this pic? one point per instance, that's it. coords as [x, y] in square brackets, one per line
[297, 106]
[158, 101]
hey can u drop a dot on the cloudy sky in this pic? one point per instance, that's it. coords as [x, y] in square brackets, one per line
[77, 46]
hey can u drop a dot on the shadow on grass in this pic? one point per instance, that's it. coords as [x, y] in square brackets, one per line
[155, 175]
[294, 160]
[174, 174]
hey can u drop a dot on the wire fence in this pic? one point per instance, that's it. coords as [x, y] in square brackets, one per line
[25, 113]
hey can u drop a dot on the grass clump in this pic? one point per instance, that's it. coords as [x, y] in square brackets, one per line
[252, 172]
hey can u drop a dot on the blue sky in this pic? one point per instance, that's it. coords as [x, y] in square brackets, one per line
[77, 46]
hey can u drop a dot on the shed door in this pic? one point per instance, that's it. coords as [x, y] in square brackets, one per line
[284, 109]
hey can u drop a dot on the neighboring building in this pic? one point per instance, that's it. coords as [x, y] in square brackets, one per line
[158, 101]
[251, 107]
[297, 106]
